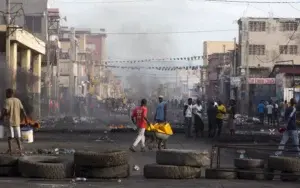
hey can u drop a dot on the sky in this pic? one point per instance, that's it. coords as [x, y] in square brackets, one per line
[159, 16]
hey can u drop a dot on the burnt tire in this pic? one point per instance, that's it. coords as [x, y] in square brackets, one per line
[286, 164]
[122, 171]
[254, 174]
[101, 159]
[156, 171]
[248, 164]
[47, 167]
[182, 158]
[220, 174]
[269, 174]
[8, 160]
[289, 176]
[9, 171]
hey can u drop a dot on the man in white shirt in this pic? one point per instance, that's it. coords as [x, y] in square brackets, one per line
[270, 113]
[198, 123]
[188, 118]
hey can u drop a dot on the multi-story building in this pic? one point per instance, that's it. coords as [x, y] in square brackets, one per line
[31, 15]
[265, 41]
[212, 47]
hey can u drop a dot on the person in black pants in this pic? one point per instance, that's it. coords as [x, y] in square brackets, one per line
[211, 114]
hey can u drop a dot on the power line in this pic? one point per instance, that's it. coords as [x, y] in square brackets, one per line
[94, 30]
[255, 2]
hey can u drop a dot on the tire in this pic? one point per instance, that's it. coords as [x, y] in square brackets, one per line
[103, 173]
[8, 160]
[9, 171]
[156, 171]
[219, 174]
[288, 176]
[101, 159]
[182, 158]
[47, 167]
[248, 164]
[269, 174]
[254, 174]
[286, 164]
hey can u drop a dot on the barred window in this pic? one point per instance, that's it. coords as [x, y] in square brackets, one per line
[288, 49]
[257, 49]
[257, 26]
[289, 26]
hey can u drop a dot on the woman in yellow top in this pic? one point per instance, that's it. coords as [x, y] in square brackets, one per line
[220, 116]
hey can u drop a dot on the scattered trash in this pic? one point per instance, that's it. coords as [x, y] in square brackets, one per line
[119, 180]
[136, 168]
[79, 179]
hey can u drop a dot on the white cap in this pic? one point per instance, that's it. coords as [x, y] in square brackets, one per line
[160, 96]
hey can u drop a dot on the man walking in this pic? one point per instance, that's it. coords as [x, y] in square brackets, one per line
[161, 111]
[139, 117]
[290, 129]
[12, 111]
[188, 118]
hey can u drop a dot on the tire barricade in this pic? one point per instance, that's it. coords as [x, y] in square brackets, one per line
[286, 168]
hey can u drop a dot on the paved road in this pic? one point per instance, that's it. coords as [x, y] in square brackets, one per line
[88, 141]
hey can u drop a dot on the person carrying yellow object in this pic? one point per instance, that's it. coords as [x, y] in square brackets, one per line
[220, 116]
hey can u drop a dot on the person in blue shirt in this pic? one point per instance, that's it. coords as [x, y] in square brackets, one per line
[290, 129]
[261, 111]
[161, 111]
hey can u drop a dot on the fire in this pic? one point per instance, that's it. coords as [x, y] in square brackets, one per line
[31, 123]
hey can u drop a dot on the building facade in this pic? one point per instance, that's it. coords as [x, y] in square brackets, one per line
[264, 41]
[32, 16]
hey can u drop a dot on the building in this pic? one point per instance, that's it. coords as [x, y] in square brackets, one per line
[262, 43]
[96, 45]
[30, 15]
[212, 47]
[23, 72]
[219, 73]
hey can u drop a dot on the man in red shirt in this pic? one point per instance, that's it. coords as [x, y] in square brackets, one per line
[139, 117]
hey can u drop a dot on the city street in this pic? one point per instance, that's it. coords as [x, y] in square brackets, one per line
[123, 141]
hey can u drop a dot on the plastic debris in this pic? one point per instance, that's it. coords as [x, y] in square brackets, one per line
[119, 180]
[136, 168]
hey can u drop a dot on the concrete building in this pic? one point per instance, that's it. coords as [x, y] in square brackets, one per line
[262, 43]
[24, 69]
[32, 19]
[212, 47]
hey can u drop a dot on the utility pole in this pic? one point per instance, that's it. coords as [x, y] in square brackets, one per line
[7, 52]
[246, 106]
[73, 55]
[49, 72]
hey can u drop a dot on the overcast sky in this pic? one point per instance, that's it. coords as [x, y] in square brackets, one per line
[164, 16]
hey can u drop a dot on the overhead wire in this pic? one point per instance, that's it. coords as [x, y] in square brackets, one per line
[254, 2]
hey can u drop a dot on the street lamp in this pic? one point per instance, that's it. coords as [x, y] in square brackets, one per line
[293, 65]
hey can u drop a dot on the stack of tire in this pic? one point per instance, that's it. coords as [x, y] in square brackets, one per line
[102, 165]
[46, 167]
[288, 166]
[8, 166]
[177, 164]
[252, 169]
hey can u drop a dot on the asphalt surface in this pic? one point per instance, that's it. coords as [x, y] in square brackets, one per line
[123, 141]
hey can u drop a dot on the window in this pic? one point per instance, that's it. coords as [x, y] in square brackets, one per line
[289, 26]
[288, 49]
[34, 23]
[257, 49]
[257, 26]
